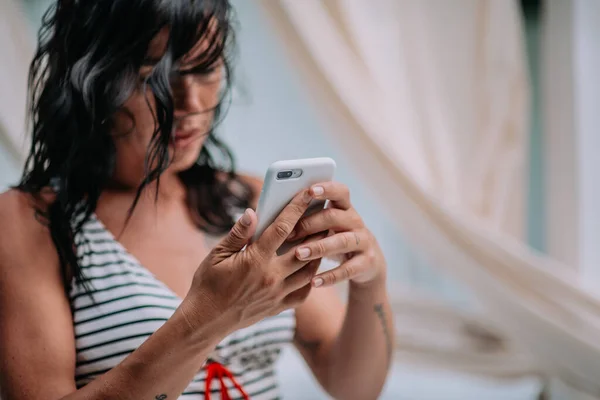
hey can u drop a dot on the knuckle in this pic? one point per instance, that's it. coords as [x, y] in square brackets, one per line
[283, 229]
[330, 278]
[349, 272]
[236, 232]
[268, 281]
[330, 215]
[296, 209]
[320, 248]
[345, 240]
[305, 224]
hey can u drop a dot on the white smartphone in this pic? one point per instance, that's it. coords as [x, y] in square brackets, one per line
[285, 179]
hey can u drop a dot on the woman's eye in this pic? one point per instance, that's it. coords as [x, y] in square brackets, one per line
[200, 75]
[204, 72]
[210, 70]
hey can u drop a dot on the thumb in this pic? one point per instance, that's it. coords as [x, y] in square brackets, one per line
[240, 234]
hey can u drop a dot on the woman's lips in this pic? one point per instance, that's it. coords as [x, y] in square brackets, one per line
[183, 138]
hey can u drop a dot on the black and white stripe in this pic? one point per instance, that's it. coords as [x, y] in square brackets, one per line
[130, 303]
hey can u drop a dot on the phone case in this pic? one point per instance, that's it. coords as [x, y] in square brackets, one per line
[277, 193]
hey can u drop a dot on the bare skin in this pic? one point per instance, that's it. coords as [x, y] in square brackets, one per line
[223, 289]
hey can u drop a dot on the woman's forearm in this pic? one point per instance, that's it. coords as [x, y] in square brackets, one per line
[163, 366]
[359, 360]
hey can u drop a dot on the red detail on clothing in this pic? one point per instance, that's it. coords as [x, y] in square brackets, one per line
[216, 370]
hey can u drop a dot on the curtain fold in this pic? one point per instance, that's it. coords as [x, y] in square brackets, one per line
[16, 47]
[384, 66]
[433, 97]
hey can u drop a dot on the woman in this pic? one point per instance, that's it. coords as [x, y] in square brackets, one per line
[108, 289]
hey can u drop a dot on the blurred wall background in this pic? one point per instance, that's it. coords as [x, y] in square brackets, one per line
[271, 106]
[9, 167]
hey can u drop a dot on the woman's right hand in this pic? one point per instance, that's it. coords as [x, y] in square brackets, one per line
[243, 287]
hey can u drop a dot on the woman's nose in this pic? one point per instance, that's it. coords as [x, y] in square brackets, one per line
[189, 95]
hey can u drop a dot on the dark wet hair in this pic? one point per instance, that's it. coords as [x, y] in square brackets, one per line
[85, 68]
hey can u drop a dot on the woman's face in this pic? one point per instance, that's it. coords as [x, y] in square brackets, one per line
[195, 96]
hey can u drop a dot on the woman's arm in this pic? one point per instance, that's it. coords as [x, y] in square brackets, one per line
[231, 289]
[37, 356]
[352, 356]
[349, 349]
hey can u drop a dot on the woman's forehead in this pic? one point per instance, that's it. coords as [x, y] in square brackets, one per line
[158, 45]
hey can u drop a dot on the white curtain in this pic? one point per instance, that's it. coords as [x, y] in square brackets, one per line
[432, 97]
[16, 49]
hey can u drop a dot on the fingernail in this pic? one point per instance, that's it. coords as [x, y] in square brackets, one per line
[246, 220]
[307, 196]
[317, 282]
[303, 252]
[318, 190]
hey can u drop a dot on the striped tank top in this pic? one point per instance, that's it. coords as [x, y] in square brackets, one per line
[130, 304]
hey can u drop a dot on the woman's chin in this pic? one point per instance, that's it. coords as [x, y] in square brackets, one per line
[185, 158]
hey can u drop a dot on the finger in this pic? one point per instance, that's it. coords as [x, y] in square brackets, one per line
[340, 243]
[310, 237]
[325, 220]
[302, 277]
[337, 193]
[238, 236]
[348, 270]
[297, 297]
[276, 233]
[291, 264]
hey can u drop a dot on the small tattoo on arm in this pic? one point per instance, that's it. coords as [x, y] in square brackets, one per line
[160, 397]
[386, 332]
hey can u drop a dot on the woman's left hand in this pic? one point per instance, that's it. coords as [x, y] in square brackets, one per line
[363, 262]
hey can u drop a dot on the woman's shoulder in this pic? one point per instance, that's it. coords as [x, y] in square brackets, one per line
[255, 183]
[22, 226]
[18, 203]
[29, 262]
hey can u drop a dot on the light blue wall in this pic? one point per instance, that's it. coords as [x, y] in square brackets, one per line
[8, 168]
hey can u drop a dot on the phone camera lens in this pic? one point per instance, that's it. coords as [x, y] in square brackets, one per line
[284, 174]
